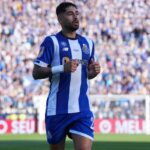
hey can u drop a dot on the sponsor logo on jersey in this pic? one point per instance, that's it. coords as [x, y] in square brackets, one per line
[83, 62]
[65, 60]
[64, 44]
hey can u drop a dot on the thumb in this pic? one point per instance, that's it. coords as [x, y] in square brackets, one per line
[76, 61]
[92, 61]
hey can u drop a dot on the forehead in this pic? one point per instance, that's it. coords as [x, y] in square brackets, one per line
[71, 8]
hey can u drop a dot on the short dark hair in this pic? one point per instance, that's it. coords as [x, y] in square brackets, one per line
[62, 7]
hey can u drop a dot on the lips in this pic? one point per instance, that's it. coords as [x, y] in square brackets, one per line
[76, 22]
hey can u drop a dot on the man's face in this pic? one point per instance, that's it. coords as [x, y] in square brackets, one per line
[69, 20]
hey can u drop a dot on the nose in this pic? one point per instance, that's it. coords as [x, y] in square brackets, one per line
[75, 15]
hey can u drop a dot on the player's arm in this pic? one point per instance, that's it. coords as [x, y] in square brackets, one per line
[41, 72]
[93, 69]
[45, 72]
[43, 61]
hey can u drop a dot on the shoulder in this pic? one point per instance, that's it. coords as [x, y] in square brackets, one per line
[49, 37]
[87, 40]
[81, 37]
[48, 40]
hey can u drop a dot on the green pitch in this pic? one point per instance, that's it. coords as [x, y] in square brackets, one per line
[101, 142]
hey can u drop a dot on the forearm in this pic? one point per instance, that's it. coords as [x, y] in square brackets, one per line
[41, 72]
[45, 72]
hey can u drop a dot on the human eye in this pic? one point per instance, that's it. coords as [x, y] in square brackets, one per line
[69, 13]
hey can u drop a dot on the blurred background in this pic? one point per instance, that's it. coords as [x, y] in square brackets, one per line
[121, 32]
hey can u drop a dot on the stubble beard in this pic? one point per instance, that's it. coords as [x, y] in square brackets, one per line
[72, 29]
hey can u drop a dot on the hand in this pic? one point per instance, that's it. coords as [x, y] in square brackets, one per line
[71, 66]
[94, 68]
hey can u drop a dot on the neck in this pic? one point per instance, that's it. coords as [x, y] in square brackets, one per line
[69, 34]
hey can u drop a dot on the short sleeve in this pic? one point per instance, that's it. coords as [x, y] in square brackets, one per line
[46, 53]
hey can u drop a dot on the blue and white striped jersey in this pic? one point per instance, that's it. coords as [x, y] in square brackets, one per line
[68, 91]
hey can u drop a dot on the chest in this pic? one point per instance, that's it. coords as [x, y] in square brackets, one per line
[74, 49]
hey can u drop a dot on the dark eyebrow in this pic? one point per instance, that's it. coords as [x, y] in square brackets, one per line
[72, 11]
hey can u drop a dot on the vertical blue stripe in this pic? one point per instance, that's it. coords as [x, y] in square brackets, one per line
[63, 92]
[83, 98]
[93, 51]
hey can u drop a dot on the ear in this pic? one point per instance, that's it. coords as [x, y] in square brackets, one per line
[59, 19]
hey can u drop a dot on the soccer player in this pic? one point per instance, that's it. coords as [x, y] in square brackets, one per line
[67, 59]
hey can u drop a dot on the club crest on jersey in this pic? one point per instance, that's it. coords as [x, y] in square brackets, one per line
[64, 44]
[85, 49]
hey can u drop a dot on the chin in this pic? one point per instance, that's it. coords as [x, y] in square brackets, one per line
[75, 28]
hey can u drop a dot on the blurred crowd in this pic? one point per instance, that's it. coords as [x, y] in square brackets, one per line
[119, 107]
[119, 28]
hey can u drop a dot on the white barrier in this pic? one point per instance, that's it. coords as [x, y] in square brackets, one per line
[120, 125]
[132, 99]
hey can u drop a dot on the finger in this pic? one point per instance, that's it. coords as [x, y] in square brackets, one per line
[91, 65]
[76, 62]
[97, 66]
[96, 63]
[97, 70]
[73, 69]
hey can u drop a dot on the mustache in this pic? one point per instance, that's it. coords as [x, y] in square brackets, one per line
[75, 20]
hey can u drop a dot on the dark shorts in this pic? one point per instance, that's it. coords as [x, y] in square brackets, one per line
[58, 126]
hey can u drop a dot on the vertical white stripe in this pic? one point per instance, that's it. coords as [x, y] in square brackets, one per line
[75, 83]
[90, 45]
[51, 108]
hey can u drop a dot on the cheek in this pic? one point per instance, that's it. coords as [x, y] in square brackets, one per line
[68, 19]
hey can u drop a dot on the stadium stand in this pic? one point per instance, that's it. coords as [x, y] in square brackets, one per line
[119, 28]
